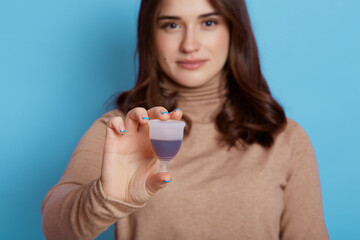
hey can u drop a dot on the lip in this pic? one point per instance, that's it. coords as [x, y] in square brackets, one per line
[191, 64]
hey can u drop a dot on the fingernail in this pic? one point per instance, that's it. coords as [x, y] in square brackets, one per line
[168, 181]
[122, 131]
[145, 116]
[177, 109]
[164, 112]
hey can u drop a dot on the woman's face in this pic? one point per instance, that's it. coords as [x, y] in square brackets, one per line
[192, 41]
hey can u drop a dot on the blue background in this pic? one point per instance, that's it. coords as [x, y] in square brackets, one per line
[60, 61]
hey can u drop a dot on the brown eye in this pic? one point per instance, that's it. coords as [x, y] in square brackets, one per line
[209, 23]
[170, 25]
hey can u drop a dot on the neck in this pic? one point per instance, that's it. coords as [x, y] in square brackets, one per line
[200, 104]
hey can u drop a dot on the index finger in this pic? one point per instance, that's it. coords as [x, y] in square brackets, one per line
[135, 117]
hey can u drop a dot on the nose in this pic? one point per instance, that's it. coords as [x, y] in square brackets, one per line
[190, 43]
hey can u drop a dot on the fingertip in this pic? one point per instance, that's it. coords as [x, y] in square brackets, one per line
[166, 177]
[158, 181]
[134, 119]
[144, 118]
[121, 127]
[164, 114]
[176, 114]
[116, 124]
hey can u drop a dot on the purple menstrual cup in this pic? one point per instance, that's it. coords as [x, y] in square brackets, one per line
[166, 138]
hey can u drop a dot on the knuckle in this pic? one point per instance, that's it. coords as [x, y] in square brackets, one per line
[113, 121]
[139, 109]
[116, 119]
[158, 107]
[119, 119]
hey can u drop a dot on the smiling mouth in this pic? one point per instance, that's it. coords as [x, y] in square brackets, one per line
[191, 64]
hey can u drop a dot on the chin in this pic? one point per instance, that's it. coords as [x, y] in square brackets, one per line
[190, 81]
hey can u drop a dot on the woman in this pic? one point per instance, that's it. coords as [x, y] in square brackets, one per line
[244, 171]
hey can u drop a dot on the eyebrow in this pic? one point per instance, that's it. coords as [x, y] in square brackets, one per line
[178, 18]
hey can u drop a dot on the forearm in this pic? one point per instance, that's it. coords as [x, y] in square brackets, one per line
[72, 211]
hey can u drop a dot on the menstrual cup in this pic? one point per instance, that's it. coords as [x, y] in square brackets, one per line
[166, 138]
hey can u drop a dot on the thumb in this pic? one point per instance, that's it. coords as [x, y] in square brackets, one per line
[158, 181]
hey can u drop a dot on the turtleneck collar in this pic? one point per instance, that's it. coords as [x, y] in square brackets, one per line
[201, 104]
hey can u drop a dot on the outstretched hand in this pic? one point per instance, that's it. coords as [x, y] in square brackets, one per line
[130, 168]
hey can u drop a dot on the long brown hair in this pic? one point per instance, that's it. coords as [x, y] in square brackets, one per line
[249, 115]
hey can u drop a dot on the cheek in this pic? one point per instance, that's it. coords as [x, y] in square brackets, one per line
[223, 41]
[165, 47]
[219, 46]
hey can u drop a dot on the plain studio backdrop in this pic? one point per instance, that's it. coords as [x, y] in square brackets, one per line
[60, 61]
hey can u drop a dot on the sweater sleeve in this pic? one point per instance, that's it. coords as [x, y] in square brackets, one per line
[302, 217]
[77, 207]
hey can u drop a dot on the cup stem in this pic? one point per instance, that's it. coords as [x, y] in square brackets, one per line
[164, 165]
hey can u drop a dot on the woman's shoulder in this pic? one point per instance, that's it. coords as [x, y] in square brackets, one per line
[292, 126]
[293, 133]
[294, 144]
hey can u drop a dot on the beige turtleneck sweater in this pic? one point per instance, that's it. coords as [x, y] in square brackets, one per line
[257, 193]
